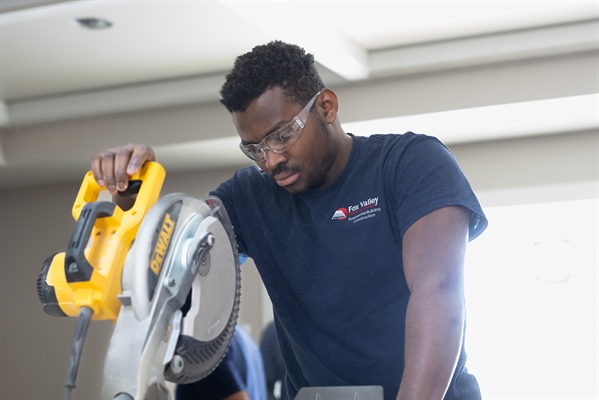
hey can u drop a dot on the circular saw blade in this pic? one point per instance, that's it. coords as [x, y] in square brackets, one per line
[185, 237]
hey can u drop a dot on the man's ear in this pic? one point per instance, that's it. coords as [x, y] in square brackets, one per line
[329, 105]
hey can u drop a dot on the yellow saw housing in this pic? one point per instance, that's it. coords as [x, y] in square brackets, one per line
[89, 273]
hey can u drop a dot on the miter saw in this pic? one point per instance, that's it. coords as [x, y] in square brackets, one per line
[166, 271]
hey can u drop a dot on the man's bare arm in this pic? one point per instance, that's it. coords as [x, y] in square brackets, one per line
[433, 255]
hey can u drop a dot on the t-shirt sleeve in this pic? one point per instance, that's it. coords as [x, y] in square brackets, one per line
[425, 176]
[226, 192]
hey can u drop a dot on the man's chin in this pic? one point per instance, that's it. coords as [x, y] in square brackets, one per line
[294, 189]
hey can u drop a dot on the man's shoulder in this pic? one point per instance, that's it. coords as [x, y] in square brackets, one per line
[392, 145]
[385, 140]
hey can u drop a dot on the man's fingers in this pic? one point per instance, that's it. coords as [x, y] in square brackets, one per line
[112, 168]
[123, 156]
[141, 153]
[97, 169]
[107, 158]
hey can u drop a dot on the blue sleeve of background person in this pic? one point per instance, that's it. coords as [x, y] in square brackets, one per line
[225, 380]
[255, 379]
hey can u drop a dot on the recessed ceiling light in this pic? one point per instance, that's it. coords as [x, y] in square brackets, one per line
[93, 23]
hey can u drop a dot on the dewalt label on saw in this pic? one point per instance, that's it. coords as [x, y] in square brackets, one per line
[160, 244]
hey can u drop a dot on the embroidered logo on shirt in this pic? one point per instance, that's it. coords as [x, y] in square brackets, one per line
[359, 212]
[341, 213]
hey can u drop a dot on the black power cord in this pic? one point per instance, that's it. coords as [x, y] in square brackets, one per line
[83, 320]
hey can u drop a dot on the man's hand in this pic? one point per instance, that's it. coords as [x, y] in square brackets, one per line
[113, 167]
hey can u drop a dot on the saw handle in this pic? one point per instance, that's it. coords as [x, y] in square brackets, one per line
[76, 266]
[133, 188]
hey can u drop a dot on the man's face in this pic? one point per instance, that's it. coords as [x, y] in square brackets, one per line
[307, 163]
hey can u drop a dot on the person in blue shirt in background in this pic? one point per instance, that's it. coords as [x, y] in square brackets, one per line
[240, 375]
[274, 366]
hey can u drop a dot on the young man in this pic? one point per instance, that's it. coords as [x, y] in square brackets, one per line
[359, 241]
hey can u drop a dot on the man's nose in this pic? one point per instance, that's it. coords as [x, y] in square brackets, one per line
[272, 159]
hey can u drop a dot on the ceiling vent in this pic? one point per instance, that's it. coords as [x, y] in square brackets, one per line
[93, 23]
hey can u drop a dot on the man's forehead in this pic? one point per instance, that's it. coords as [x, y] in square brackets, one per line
[273, 104]
[264, 115]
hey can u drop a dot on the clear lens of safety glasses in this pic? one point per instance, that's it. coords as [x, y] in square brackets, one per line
[282, 139]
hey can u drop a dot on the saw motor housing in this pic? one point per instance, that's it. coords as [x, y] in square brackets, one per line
[88, 273]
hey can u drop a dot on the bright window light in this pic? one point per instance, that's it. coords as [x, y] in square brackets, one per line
[531, 289]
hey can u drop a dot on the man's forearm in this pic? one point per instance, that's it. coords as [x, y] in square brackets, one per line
[434, 329]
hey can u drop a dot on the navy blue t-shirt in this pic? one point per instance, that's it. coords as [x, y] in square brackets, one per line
[331, 258]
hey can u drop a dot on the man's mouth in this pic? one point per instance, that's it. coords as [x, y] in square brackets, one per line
[286, 179]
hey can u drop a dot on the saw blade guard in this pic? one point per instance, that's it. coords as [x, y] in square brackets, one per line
[213, 303]
[185, 252]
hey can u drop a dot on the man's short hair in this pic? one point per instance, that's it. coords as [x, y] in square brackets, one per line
[276, 64]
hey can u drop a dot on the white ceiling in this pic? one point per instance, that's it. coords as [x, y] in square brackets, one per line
[45, 52]
[162, 53]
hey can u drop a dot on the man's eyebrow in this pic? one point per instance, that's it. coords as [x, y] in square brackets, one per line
[274, 128]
